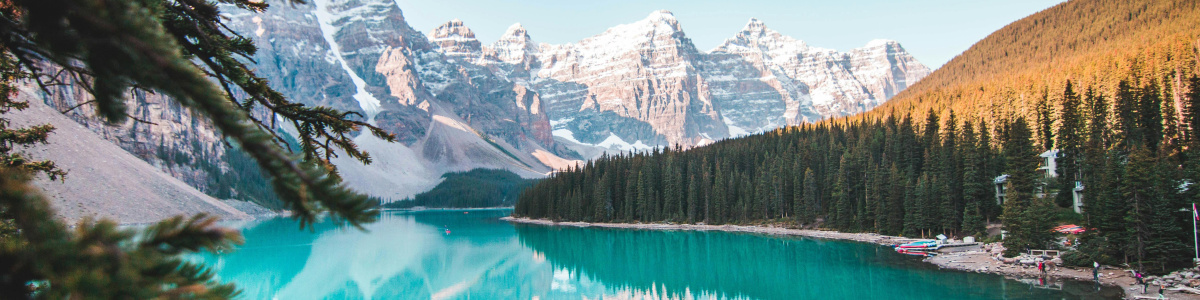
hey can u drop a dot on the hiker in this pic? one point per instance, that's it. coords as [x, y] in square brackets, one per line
[1142, 281]
[1096, 271]
[1160, 291]
[1041, 266]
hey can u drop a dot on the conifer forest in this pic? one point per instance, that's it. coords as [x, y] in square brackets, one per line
[922, 177]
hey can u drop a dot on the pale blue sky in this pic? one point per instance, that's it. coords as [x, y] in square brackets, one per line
[932, 30]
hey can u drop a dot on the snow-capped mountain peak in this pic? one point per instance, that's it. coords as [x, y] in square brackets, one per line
[882, 43]
[519, 105]
[641, 72]
[662, 19]
[885, 69]
[662, 15]
[659, 22]
[514, 46]
[755, 36]
[455, 39]
[754, 26]
[516, 30]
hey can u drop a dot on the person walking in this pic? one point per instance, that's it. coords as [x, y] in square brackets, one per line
[1141, 280]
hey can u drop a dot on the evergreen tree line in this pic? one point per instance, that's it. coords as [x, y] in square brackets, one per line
[471, 189]
[1128, 146]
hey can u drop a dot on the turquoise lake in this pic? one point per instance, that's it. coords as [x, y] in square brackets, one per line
[409, 255]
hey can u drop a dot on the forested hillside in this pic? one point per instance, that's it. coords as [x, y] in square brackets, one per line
[474, 188]
[1113, 85]
[1094, 43]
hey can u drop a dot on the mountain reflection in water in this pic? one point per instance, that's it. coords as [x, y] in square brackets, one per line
[409, 255]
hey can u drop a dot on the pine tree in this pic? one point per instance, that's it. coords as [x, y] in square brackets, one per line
[743, 193]
[633, 180]
[1129, 124]
[1171, 144]
[1106, 209]
[874, 211]
[643, 197]
[693, 197]
[1191, 111]
[1022, 159]
[808, 207]
[13, 138]
[1166, 248]
[671, 190]
[1044, 121]
[991, 168]
[181, 49]
[914, 207]
[1070, 142]
[931, 205]
[776, 192]
[720, 194]
[1150, 118]
[977, 186]
[1191, 133]
[1136, 190]
[952, 177]
[897, 195]
[841, 216]
[602, 200]
[1096, 155]
[798, 189]
[929, 139]
[707, 186]
[759, 206]
[1038, 219]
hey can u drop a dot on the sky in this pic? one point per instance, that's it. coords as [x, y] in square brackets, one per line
[933, 31]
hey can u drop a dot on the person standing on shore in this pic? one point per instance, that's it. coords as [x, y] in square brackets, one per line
[1141, 281]
[1096, 271]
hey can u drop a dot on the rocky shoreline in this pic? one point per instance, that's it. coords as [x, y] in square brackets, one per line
[979, 261]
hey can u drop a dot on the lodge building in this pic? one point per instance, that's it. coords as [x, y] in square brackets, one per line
[1049, 172]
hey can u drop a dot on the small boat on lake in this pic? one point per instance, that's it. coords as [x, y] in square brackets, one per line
[915, 251]
[918, 245]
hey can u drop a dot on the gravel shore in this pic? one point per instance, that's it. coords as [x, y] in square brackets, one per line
[979, 261]
[103, 180]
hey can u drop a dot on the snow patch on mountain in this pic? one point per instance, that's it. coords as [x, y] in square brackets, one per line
[366, 101]
[812, 83]
[456, 40]
[615, 142]
[612, 142]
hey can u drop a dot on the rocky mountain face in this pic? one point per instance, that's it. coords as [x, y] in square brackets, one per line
[641, 72]
[645, 84]
[157, 131]
[764, 79]
[457, 104]
[450, 111]
[105, 180]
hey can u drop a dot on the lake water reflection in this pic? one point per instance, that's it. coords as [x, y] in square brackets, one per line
[410, 255]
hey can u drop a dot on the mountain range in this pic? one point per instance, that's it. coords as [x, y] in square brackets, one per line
[604, 90]
[456, 104]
